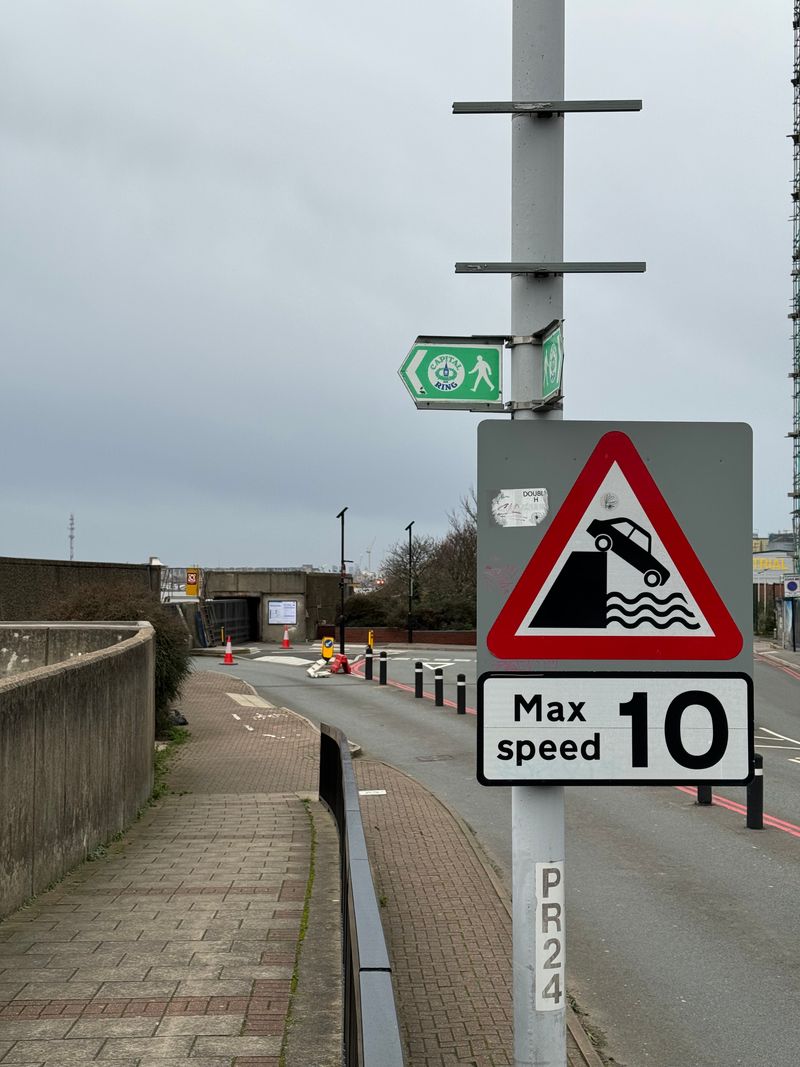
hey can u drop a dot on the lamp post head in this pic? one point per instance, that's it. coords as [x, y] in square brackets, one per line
[410, 525]
[341, 513]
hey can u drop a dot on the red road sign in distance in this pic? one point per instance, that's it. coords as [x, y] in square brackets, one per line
[614, 577]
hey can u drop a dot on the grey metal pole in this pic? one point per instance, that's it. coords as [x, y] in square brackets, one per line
[341, 588]
[537, 234]
[410, 585]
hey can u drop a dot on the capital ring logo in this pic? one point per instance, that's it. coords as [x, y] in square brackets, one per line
[446, 373]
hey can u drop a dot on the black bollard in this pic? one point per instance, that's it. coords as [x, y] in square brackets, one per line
[755, 795]
[368, 663]
[382, 669]
[461, 694]
[438, 687]
[418, 680]
[704, 794]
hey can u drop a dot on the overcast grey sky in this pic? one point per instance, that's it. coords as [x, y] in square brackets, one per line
[223, 225]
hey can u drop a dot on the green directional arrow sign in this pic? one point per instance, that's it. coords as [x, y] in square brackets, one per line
[552, 363]
[454, 372]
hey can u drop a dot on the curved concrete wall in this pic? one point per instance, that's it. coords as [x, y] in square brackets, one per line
[76, 755]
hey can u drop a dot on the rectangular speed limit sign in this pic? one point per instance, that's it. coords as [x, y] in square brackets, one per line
[615, 729]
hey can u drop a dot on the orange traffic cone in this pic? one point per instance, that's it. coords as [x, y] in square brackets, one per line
[229, 660]
[285, 641]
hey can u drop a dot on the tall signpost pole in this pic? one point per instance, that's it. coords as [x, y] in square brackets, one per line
[537, 221]
[410, 585]
[342, 573]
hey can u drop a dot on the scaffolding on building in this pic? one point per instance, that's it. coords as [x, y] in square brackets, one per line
[794, 315]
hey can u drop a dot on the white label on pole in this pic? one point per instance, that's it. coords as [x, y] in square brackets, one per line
[550, 936]
[520, 507]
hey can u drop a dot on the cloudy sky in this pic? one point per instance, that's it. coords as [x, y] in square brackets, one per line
[222, 225]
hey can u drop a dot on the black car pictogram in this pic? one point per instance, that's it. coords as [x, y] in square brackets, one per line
[632, 543]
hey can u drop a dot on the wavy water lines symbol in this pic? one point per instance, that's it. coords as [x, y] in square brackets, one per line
[659, 612]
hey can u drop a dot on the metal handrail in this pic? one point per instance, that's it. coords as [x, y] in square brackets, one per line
[371, 1028]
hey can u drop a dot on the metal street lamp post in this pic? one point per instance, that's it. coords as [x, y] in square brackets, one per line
[410, 585]
[341, 588]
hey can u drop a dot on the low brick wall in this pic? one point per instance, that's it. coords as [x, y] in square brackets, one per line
[387, 635]
[76, 751]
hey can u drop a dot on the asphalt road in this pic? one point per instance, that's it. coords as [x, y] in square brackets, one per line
[683, 929]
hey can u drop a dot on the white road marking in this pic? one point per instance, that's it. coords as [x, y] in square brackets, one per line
[783, 737]
[237, 717]
[250, 700]
[372, 792]
[250, 728]
[433, 664]
[292, 661]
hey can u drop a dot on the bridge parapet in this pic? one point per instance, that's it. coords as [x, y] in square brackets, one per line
[77, 724]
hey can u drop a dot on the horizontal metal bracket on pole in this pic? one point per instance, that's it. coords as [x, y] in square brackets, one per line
[533, 405]
[541, 107]
[444, 405]
[444, 339]
[535, 338]
[550, 268]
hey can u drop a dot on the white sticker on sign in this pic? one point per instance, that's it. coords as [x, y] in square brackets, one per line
[520, 507]
[550, 936]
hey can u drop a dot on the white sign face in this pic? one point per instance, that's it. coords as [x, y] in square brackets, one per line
[615, 729]
[642, 588]
[282, 612]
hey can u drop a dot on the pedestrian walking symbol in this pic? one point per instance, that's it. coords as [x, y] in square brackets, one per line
[483, 373]
[614, 577]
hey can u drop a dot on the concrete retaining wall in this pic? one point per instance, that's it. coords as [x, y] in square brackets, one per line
[29, 588]
[76, 756]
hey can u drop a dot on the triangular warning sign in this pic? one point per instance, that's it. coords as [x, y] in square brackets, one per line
[614, 577]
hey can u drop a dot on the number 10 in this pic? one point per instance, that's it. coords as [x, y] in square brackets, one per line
[636, 708]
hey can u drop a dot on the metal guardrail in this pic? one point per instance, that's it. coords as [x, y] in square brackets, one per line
[371, 1029]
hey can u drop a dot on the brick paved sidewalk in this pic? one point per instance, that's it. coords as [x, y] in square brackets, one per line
[447, 927]
[178, 945]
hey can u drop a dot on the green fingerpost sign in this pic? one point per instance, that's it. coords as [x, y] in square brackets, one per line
[552, 363]
[463, 373]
